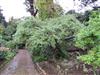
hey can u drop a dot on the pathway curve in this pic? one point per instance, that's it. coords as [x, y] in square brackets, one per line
[21, 65]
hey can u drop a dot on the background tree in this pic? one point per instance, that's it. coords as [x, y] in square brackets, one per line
[30, 7]
[86, 2]
[46, 9]
[2, 18]
[88, 38]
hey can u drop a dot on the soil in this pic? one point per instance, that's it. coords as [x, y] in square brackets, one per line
[51, 68]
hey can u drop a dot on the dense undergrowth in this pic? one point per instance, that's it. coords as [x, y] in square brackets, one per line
[46, 39]
[6, 55]
[5, 36]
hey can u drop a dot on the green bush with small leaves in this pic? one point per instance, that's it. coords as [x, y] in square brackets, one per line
[25, 29]
[46, 39]
[88, 38]
[49, 40]
[6, 55]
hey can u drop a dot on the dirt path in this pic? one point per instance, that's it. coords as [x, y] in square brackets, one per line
[21, 65]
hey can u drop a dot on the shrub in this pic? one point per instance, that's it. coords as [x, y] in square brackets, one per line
[25, 29]
[48, 41]
[89, 38]
[6, 34]
[6, 55]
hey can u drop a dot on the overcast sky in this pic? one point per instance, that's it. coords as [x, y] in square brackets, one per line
[16, 8]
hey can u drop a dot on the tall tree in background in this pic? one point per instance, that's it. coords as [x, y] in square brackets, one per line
[85, 2]
[47, 9]
[2, 19]
[30, 7]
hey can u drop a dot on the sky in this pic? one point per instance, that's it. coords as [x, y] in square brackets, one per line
[66, 4]
[70, 5]
[17, 9]
[14, 8]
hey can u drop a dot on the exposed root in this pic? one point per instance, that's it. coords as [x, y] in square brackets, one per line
[40, 70]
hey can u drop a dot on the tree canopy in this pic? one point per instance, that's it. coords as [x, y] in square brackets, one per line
[2, 18]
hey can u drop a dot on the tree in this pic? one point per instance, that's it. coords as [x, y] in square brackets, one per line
[46, 9]
[46, 39]
[30, 7]
[88, 38]
[2, 19]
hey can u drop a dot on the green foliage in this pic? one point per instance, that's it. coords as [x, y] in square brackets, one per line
[2, 41]
[2, 54]
[2, 19]
[89, 38]
[25, 29]
[49, 39]
[6, 55]
[83, 18]
[10, 29]
[11, 44]
[6, 34]
[46, 39]
[5, 39]
[9, 55]
[1, 29]
[47, 9]
[93, 57]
